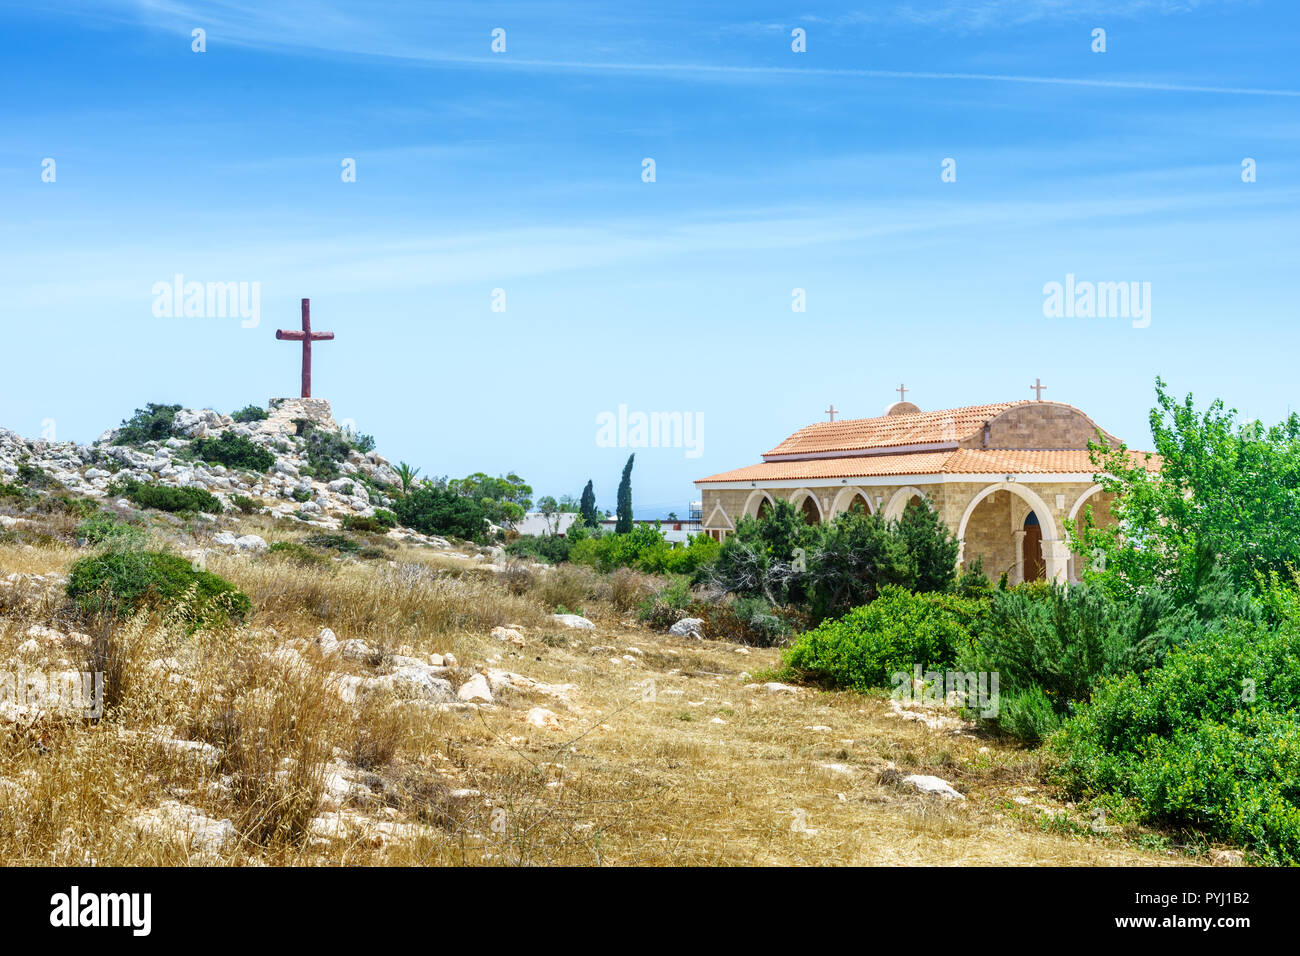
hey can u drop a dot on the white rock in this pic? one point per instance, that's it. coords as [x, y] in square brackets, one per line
[541, 717]
[476, 688]
[174, 820]
[251, 542]
[574, 620]
[419, 683]
[932, 785]
[226, 538]
[327, 642]
[357, 650]
[508, 634]
[688, 627]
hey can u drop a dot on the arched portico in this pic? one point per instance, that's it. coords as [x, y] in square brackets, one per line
[754, 502]
[900, 499]
[806, 503]
[1008, 528]
[848, 498]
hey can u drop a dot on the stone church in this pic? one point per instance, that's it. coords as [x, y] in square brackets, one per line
[1003, 477]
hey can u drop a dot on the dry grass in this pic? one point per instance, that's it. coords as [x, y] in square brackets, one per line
[658, 753]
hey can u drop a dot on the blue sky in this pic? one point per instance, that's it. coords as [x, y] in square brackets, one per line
[522, 171]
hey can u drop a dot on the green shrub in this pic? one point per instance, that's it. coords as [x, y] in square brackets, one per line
[892, 634]
[550, 548]
[233, 451]
[249, 413]
[298, 554]
[745, 620]
[245, 504]
[122, 581]
[1052, 643]
[327, 541]
[301, 495]
[34, 478]
[13, 492]
[104, 528]
[1211, 738]
[151, 423]
[164, 498]
[378, 523]
[668, 605]
[326, 450]
[432, 510]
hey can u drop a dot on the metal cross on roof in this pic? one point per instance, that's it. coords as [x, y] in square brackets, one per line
[902, 391]
[1038, 388]
[831, 411]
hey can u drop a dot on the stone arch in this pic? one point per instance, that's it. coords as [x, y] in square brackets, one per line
[1036, 504]
[1073, 573]
[752, 503]
[800, 498]
[900, 499]
[846, 497]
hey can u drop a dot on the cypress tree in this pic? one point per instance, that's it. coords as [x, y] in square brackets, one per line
[624, 523]
[587, 507]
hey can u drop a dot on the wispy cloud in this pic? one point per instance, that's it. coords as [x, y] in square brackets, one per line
[355, 31]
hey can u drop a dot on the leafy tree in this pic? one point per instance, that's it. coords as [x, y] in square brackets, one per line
[504, 499]
[624, 523]
[151, 423]
[548, 506]
[931, 547]
[587, 507]
[1225, 494]
[432, 510]
[568, 504]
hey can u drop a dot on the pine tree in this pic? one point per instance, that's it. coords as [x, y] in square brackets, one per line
[587, 507]
[624, 523]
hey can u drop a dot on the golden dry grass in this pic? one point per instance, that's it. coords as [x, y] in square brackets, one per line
[658, 755]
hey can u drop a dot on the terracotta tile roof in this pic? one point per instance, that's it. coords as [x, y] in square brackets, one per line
[946, 424]
[962, 461]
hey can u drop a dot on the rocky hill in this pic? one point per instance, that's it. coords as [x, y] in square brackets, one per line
[287, 489]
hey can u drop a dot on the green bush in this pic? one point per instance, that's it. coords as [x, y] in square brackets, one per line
[233, 451]
[892, 634]
[122, 581]
[326, 451]
[163, 498]
[551, 548]
[432, 510]
[327, 541]
[300, 495]
[668, 605]
[298, 554]
[13, 492]
[1052, 643]
[104, 528]
[245, 504]
[151, 423]
[249, 413]
[34, 478]
[1211, 738]
[378, 523]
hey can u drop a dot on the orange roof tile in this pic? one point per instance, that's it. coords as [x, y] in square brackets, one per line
[948, 424]
[962, 461]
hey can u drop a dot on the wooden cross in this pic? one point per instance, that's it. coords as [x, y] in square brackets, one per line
[831, 411]
[1038, 388]
[306, 337]
[902, 391]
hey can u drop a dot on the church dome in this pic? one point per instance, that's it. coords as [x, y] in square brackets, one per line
[902, 408]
